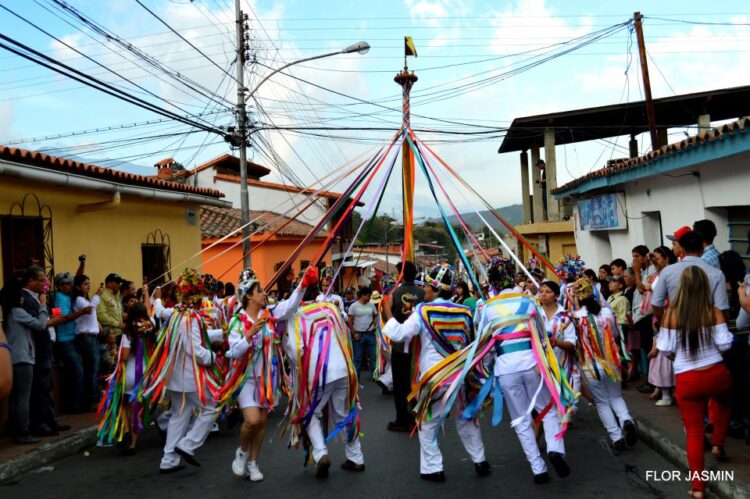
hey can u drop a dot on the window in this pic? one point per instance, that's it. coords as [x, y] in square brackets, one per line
[284, 282]
[156, 259]
[23, 243]
[26, 237]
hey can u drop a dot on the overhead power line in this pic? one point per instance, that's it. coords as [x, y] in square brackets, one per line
[184, 39]
[37, 57]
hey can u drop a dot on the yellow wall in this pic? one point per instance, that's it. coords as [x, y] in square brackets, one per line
[111, 239]
[559, 242]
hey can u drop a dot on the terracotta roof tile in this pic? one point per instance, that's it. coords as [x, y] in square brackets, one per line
[218, 222]
[65, 165]
[707, 137]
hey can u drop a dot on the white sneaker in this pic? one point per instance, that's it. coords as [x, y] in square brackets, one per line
[663, 403]
[239, 464]
[254, 471]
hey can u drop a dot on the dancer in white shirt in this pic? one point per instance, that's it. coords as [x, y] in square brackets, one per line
[256, 372]
[437, 343]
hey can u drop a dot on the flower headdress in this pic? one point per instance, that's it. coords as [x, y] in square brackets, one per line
[500, 273]
[387, 283]
[570, 267]
[191, 287]
[246, 281]
[582, 289]
[438, 274]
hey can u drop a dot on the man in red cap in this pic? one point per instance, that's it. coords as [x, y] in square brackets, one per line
[675, 238]
[691, 246]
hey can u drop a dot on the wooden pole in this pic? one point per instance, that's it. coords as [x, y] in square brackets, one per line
[650, 115]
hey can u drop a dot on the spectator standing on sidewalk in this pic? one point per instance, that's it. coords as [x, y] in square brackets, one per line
[87, 338]
[707, 231]
[65, 347]
[6, 364]
[362, 317]
[20, 326]
[604, 272]
[667, 286]
[660, 372]
[109, 310]
[693, 334]
[618, 266]
[641, 309]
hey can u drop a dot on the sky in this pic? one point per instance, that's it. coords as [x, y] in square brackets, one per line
[470, 57]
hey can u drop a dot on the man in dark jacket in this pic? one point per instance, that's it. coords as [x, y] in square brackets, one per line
[405, 297]
[43, 420]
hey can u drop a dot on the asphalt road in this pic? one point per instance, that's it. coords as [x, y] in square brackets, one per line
[392, 467]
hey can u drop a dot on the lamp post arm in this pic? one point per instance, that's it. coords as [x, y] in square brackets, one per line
[320, 56]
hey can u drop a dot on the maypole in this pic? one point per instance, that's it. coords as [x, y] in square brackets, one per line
[407, 80]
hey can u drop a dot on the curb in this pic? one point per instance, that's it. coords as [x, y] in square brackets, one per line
[651, 436]
[47, 453]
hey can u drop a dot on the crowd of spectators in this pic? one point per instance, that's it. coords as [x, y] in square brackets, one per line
[69, 323]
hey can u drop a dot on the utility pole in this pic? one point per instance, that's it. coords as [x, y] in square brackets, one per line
[638, 19]
[241, 135]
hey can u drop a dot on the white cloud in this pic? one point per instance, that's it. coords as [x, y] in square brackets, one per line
[7, 116]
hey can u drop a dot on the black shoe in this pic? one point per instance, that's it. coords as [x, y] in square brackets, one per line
[396, 426]
[60, 427]
[130, 451]
[619, 445]
[189, 458]
[167, 471]
[321, 468]
[438, 477]
[558, 462]
[26, 440]
[645, 388]
[631, 435]
[483, 468]
[541, 478]
[44, 431]
[352, 466]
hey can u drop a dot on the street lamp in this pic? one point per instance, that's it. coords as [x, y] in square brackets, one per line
[359, 47]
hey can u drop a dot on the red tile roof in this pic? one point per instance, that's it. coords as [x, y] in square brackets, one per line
[277, 186]
[63, 165]
[707, 137]
[218, 222]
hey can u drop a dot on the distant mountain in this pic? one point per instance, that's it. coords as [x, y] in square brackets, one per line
[512, 214]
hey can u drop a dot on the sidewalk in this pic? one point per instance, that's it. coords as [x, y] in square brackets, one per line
[661, 428]
[15, 460]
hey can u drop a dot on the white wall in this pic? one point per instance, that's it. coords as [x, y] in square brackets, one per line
[681, 199]
[261, 199]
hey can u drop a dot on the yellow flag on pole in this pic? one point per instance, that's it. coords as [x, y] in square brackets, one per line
[409, 47]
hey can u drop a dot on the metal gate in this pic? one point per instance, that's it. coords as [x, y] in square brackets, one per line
[26, 233]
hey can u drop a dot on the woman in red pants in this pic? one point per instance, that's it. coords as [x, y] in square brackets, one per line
[694, 334]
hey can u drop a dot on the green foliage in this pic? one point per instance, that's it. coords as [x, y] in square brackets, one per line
[426, 232]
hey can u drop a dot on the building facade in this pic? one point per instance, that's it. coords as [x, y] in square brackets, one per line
[641, 200]
[52, 210]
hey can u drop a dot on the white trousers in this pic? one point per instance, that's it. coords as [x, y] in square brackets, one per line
[387, 377]
[334, 395]
[430, 457]
[178, 435]
[607, 395]
[518, 391]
